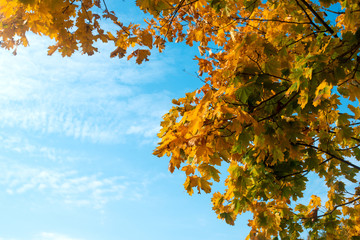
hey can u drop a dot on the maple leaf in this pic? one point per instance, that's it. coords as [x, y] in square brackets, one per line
[272, 106]
[140, 54]
[119, 51]
[147, 39]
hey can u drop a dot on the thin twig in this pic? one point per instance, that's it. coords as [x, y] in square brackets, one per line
[105, 5]
[269, 20]
[174, 15]
[67, 7]
[307, 15]
[337, 206]
[308, 35]
[328, 10]
[282, 107]
[268, 99]
[330, 154]
[86, 12]
[319, 18]
[345, 149]
[257, 63]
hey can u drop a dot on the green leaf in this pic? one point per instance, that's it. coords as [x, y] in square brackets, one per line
[243, 93]
[356, 152]
[227, 217]
[207, 170]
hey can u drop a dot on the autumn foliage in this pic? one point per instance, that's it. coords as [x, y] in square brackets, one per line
[279, 105]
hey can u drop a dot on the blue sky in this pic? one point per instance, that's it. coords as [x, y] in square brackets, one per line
[77, 138]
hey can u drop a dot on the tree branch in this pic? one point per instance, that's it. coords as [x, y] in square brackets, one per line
[67, 7]
[345, 149]
[330, 154]
[282, 107]
[269, 20]
[328, 28]
[306, 36]
[307, 15]
[304, 171]
[337, 206]
[268, 99]
[174, 15]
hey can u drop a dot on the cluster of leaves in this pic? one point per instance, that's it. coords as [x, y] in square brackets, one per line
[276, 76]
[74, 25]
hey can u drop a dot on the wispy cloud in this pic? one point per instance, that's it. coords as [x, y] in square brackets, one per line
[69, 186]
[22, 145]
[46, 236]
[54, 236]
[83, 97]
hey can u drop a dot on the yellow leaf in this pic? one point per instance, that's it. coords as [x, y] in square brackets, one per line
[315, 201]
[205, 185]
[119, 51]
[355, 110]
[147, 39]
[140, 54]
[188, 169]
[303, 99]
[110, 36]
[52, 49]
[322, 91]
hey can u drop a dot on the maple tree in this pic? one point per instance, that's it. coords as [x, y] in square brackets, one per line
[279, 101]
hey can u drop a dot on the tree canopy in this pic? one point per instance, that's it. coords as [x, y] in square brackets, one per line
[279, 103]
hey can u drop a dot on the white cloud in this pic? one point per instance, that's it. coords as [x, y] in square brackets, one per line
[25, 146]
[95, 98]
[54, 236]
[69, 186]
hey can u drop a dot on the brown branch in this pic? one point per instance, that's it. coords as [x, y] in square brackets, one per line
[307, 15]
[258, 29]
[328, 10]
[353, 124]
[253, 3]
[337, 206]
[328, 28]
[122, 28]
[257, 63]
[174, 8]
[246, 74]
[202, 80]
[345, 149]
[268, 99]
[330, 154]
[173, 15]
[228, 24]
[228, 135]
[67, 7]
[293, 174]
[86, 12]
[304, 171]
[270, 75]
[269, 20]
[235, 104]
[308, 35]
[105, 5]
[278, 111]
[325, 161]
[352, 51]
